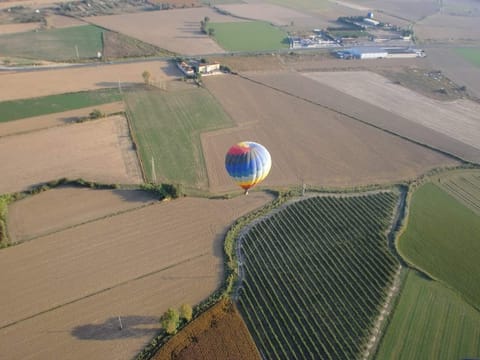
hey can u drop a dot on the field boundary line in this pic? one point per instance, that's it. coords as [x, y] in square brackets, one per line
[107, 216]
[430, 147]
[98, 292]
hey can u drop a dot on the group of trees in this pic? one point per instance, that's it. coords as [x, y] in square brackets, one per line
[205, 28]
[172, 317]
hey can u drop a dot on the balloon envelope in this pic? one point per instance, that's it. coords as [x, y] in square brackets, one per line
[248, 163]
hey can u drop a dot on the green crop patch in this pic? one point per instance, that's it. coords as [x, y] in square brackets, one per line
[472, 55]
[167, 127]
[249, 36]
[443, 239]
[79, 42]
[20, 109]
[316, 274]
[464, 186]
[431, 322]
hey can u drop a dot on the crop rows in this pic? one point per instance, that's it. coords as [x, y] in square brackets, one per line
[316, 274]
[465, 188]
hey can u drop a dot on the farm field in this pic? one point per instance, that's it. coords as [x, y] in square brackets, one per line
[410, 10]
[472, 55]
[56, 119]
[463, 186]
[68, 206]
[54, 44]
[442, 239]
[49, 82]
[312, 88]
[458, 120]
[98, 150]
[176, 30]
[431, 322]
[19, 109]
[446, 28]
[307, 142]
[59, 21]
[167, 126]
[316, 274]
[220, 333]
[17, 28]
[273, 14]
[68, 288]
[249, 36]
[41, 3]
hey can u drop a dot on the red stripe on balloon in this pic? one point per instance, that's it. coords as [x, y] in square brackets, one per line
[238, 150]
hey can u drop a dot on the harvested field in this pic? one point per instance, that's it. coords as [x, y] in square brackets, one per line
[174, 30]
[30, 3]
[60, 21]
[456, 68]
[48, 82]
[116, 45]
[308, 142]
[274, 14]
[411, 10]
[18, 28]
[57, 119]
[99, 150]
[463, 185]
[66, 206]
[67, 289]
[447, 28]
[220, 333]
[458, 119]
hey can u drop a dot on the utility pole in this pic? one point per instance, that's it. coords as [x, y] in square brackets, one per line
[76, 51]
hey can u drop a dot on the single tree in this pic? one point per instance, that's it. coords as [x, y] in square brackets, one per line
[211, 32]
[186, 312]
[146, 77]
[95, 114]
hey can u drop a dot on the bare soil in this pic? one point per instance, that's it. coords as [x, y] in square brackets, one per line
[457, 119]
[18, 28]
[67, 289]
[176, 30]
[219, 333]
[18, 85]
[307, 142]
[99, 150]
[445, 28]
[56, 119]
[66, 206]
[274, 14]
[59, 21]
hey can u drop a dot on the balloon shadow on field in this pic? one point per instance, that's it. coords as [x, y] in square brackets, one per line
[118, 328]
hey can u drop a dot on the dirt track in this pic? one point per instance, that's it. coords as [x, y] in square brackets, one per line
[67, 289]
[308, 142]
[99, 150]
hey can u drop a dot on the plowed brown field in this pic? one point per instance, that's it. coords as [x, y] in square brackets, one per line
[48, 82]
[66, 290]
[217, 334]
[98, 150]
[174, 30]
[56, 119]
[67, 206]
[308, 142]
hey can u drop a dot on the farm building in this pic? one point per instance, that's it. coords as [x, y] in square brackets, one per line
[203, 68]
[379, 53]
[185, 68]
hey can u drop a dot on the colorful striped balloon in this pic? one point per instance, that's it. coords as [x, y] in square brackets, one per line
[248, 163]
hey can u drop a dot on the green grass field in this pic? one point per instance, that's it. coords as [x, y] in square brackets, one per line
[20, 109]
[464, 185]
[472, 55]
[54, 44]
[430, 322]
[443, 239]
[167, 126]
[249, 36]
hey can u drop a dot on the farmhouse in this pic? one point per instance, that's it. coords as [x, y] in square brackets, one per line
[185, 68]
[193, 67]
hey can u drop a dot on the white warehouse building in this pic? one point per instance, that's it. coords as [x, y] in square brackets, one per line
[368, 53]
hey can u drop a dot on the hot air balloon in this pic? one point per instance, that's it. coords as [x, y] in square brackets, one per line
[248, 163]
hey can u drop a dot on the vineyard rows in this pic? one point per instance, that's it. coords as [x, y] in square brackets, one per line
[316, 275]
